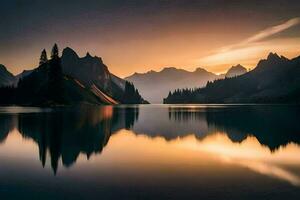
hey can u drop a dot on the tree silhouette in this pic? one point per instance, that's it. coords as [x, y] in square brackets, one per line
[55, 82]
[55, 52]
[131, 94]
[43, 58]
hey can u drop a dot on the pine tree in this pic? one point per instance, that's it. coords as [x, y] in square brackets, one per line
[55, 52]
[43, 58]
[55, 77]
[131, 95]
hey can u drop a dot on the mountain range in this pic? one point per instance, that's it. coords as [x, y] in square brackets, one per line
[68, 79]
[155, 86]
[274, 80]
[71, 79]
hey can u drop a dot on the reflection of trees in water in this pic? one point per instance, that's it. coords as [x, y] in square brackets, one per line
[273, 126]
[64, 134]
[6, 125]
[129, 115]
[67, 133]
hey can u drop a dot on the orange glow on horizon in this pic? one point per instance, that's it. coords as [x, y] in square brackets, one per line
[188, 48]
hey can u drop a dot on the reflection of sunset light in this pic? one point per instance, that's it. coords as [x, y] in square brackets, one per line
[13, 143]
[107, 112]
[249, 153]
[140, 154]
[248, 149]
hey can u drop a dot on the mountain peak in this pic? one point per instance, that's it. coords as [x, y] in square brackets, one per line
[4, 69]
[169, 69]
[69, 52]
[273, 56]
[238, 66]
[95, 58]
[199, 69]
[272, 61]
[88, 54]
[6, 78]
[236, 70]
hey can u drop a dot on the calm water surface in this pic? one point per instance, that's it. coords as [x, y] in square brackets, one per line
[150, 152]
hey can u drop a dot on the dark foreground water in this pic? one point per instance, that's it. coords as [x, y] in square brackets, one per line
[150, 152]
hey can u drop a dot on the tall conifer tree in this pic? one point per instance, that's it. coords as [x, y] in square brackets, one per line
[43, 58]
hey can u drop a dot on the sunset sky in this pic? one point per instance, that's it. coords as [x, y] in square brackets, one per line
[142, 35]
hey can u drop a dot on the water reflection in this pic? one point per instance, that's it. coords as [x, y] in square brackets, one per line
[251, 154]
[237, 134]
[67, 133]
[273, 126]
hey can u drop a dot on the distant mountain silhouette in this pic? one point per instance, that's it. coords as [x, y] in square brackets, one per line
[6, 78]
[154, 86]
[274, 80]
[67, 80]
[236, 71]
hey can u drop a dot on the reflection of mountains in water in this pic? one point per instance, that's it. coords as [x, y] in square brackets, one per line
[273, 126]
[64, 134]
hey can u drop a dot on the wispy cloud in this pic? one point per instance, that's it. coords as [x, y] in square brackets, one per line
[253, 46]
[273, 30]
[264, 34]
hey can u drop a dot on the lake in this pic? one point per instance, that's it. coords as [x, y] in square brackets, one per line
[150, 152]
